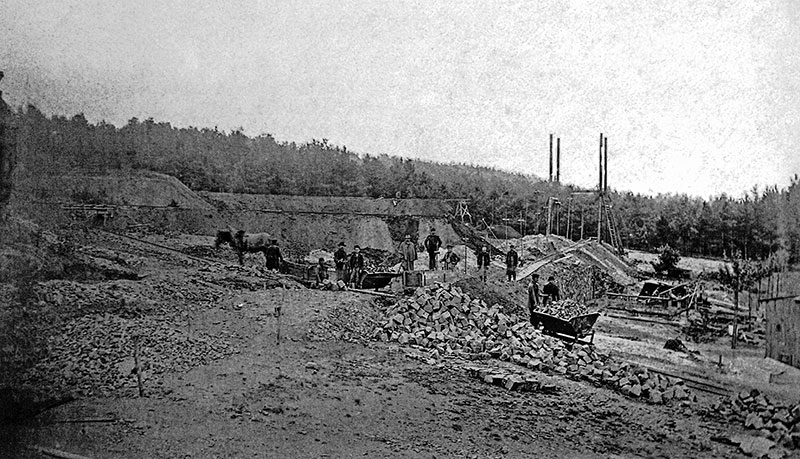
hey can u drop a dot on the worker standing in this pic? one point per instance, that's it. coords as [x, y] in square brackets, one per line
[432, 245]
[340, 260]
[322, 272]
[512, 261]
[273, 256]
[534, 300]
[550, 291]
[408, 253]
[483, 262]
[450, 258]
[356, 264]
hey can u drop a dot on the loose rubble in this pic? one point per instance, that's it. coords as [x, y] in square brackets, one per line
[350, 323]
[564, 309]
[94, 355]
[448, 321]
[509, 380]
[777, 422]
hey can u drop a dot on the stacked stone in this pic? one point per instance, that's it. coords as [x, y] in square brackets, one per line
[777, 422]
[448, 321]
[510, 380]
[564, 309]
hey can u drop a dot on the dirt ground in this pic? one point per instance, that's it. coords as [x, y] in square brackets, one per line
[305, 398]
[327, 390]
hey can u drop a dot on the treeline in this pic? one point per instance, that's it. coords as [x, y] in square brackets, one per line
[757, 225]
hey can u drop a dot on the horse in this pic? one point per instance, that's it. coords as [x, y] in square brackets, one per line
[242, 242]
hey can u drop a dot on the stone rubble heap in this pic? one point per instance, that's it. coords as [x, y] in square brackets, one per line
[94, 355]
[510, 380]
[564, 309]
[445, 320]
[777, 422]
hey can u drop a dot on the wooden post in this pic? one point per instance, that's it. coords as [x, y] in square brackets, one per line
[605, 166]
[599, 219]
[581, 222]
[600, 192]
[465, 257]
[558, 220]
[600, 170]
[758, 294]
[549, 215]
[558, 160]
[551, 159]
[138, 366]
[569, 218]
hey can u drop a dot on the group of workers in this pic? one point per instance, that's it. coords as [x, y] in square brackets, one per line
[432, 244]
[349, 268]
[536, 299]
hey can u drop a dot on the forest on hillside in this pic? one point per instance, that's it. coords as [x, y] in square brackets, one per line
[760, 224]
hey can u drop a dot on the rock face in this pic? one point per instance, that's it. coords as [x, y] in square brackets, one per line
[448, 321]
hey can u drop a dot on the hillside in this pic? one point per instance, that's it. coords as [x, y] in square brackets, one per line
[760, 224]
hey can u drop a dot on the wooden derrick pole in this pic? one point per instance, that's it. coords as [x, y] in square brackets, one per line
[600, 192]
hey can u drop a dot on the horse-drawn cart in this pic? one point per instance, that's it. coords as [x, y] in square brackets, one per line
[573, 329]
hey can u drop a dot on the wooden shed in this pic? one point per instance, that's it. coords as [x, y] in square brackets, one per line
[783, 329]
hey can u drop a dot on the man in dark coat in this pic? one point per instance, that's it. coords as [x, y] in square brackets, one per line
[356, 264]
[534, 300]
[512, 261]
[432, 245]
[273, 255]
[340, 260]
[450, 258]
[483, 262]
[550, 291]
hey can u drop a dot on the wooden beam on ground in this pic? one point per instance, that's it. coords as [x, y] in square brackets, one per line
[52, 452]
[702, 385]
[85, 420]
[370, 292]
[640, 319]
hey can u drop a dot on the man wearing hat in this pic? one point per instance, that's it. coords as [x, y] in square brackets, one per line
[534, 300]
[408, 253]
[512, 261]
[356, 265]
[484, 259]
[450, 258]
[432, 245]
[550, 291]
[340, 260]
[273, 255]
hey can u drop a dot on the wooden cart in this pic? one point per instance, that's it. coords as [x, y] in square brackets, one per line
[573, 329]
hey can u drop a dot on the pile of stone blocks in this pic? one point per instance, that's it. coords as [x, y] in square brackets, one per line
[446, 320]
[777, 422]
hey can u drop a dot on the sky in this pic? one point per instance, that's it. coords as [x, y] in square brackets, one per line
[695, 97]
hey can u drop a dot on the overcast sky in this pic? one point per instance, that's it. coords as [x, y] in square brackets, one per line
[697, 97]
